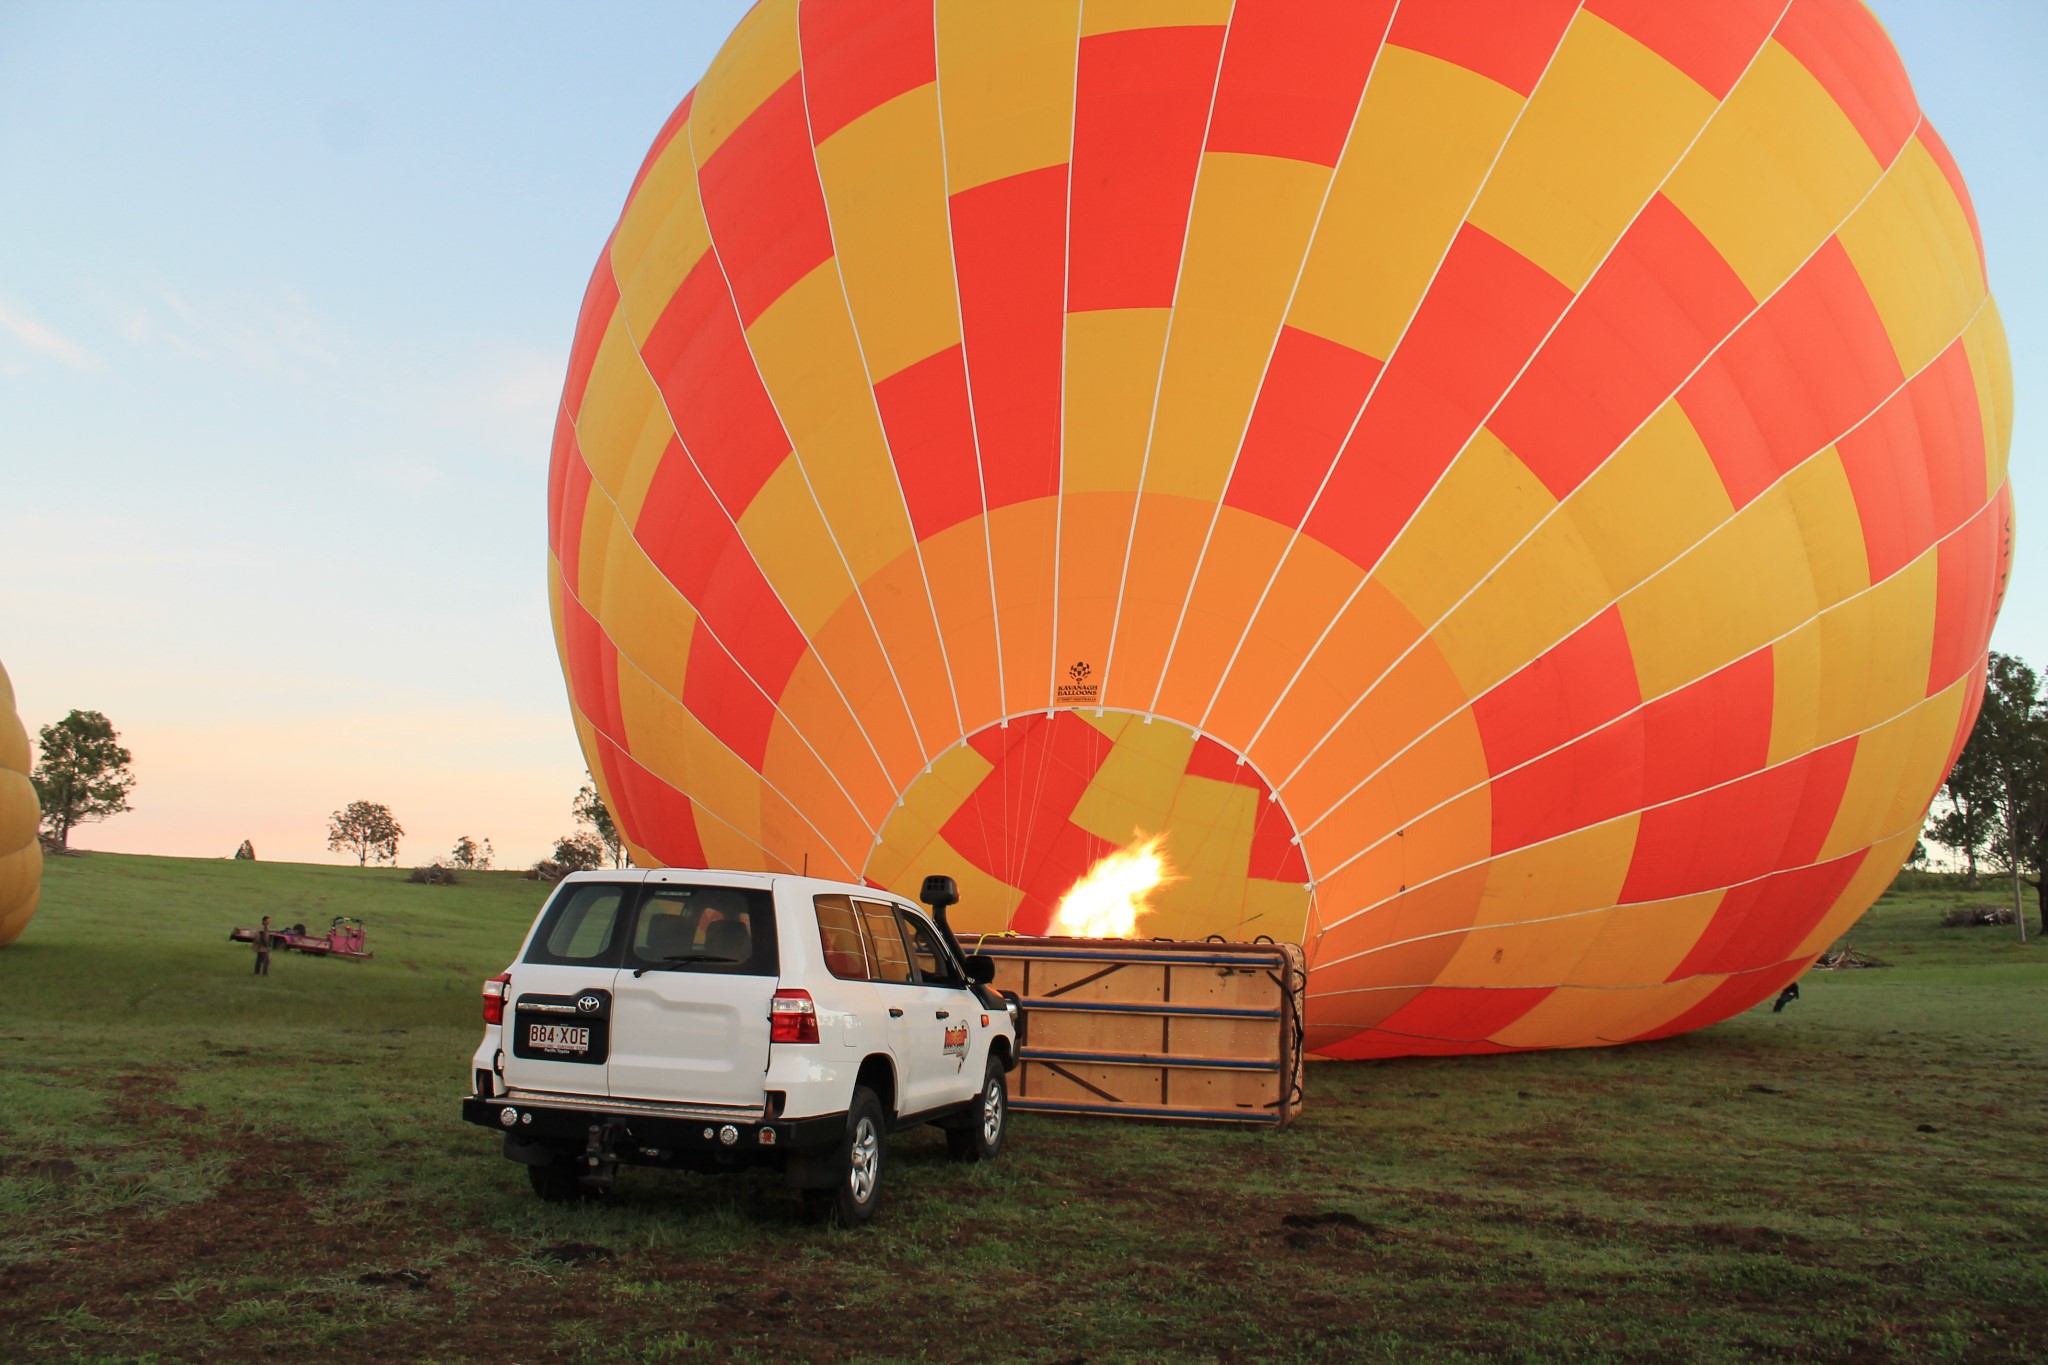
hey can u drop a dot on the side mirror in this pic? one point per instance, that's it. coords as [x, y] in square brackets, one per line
[980, 970]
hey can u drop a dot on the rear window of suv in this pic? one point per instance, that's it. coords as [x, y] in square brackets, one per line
[727, 929]
[659, 926]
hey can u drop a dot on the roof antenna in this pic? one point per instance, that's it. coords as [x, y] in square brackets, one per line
[807, 862]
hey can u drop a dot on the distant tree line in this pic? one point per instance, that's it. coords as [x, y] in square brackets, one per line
[368, 830]
[1993, 809]
[84, 774]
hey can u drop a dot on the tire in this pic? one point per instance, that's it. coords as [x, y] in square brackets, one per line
[556, 1183]
[980, 1137]
[858, 1164]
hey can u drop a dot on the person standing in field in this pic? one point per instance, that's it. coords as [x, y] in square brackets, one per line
[263, 937]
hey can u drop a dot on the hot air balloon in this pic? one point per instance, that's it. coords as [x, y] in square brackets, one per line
[21, 856]
[1510, 494]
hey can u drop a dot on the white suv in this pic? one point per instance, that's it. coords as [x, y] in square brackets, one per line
[719, 1020]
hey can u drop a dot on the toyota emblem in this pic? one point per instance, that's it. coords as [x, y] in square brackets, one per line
[588, 1004]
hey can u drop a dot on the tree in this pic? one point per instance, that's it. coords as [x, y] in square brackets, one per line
[590, 810]
[1967, 808]
[2014, 723]
[578, 852]
[471, 855]
[367, 830]
[2001, 776]
[83, 774]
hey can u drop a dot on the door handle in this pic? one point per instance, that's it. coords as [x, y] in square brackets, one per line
[895, 1014]
[943, 1015]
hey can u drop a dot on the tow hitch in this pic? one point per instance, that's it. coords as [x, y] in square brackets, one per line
[598, 1167]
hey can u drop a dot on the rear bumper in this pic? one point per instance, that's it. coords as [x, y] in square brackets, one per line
[645, 1131]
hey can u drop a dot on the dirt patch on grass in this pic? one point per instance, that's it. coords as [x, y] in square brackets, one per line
[1762, 1240]
[259, 1213]
[1328, 1229]
[56, 1170]
[139, 1101]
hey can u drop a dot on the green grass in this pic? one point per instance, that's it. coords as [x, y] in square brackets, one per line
[198, 1165]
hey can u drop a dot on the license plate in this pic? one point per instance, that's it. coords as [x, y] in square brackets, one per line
[558, 1038]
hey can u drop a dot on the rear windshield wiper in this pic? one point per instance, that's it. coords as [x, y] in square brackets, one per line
[678, 960]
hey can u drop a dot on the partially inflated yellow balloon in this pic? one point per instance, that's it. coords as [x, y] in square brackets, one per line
[21, 857]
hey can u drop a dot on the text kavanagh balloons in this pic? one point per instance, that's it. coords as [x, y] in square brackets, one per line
[21, 856]
[1513, 491]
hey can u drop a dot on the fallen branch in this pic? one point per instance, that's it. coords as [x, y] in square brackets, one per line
[1977, 916]
[1842, 958]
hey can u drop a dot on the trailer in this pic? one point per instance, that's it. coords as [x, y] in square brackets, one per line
[343, 937]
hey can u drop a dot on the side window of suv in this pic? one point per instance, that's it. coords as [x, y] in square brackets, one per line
[933, 967]
[892, 961]
[847, 955]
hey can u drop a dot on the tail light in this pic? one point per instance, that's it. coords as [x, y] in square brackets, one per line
[494, 998]
[792, 1018]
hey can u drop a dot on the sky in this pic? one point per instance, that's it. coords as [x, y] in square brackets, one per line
[286, 295]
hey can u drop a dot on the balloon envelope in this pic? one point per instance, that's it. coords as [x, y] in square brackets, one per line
[1514, 492]
[21, 856]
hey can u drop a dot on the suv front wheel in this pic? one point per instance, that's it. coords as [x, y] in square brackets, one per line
[979, 1136]
[859, 1162]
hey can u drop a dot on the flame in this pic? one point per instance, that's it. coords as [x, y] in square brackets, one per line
[1107, 901]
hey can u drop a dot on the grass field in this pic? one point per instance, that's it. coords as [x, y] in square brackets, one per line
[196, 1165]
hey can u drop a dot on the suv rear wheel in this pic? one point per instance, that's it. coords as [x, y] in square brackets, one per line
[859, 1162]
[980, 1134]
[556, 1182]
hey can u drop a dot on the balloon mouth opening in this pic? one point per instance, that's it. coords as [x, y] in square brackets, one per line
[1099, 824]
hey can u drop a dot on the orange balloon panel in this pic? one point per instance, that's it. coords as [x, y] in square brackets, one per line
[21, 856]
[1513, 492]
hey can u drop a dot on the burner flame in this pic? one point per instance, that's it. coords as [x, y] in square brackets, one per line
[1108, 900]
